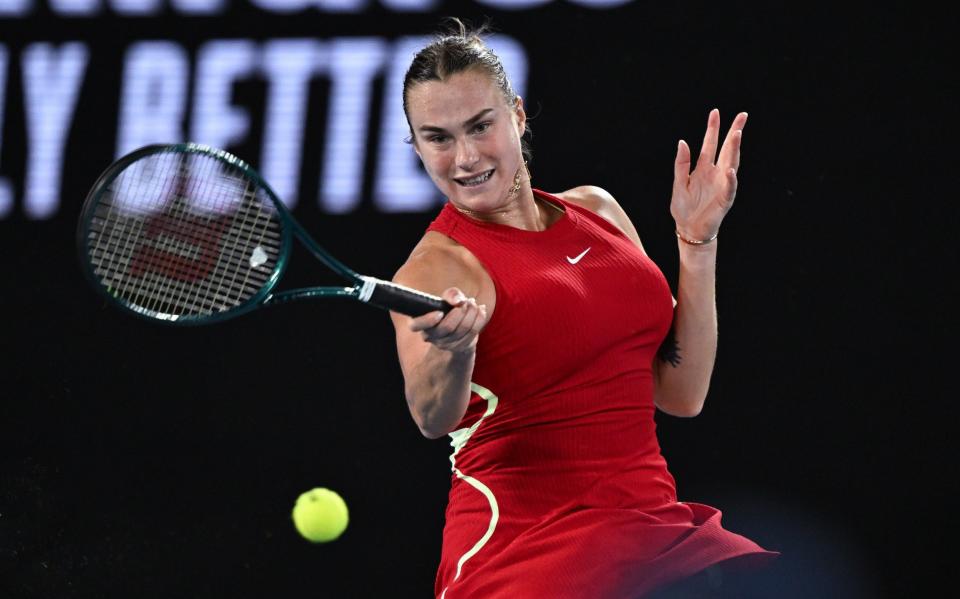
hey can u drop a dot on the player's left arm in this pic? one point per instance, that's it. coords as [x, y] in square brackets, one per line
[700, 200]
[683, 367]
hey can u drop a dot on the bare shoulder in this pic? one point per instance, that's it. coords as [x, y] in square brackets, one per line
[589, 196]
[437, 263]
[601, 202]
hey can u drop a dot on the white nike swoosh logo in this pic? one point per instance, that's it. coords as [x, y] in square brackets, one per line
[577, 259]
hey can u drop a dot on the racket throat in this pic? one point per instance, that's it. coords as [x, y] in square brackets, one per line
[311, 293]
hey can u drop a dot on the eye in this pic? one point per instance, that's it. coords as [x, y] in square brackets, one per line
[437, 139]
[481, 127]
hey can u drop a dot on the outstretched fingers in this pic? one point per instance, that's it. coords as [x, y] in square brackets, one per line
[730, 152]
[681, 167]
[708, 151]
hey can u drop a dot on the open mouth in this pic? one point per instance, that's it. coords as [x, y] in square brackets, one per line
[478, 180]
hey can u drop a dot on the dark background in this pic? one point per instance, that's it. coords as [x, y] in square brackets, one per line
[138, 460]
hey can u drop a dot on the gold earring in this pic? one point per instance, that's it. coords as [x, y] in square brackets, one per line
[516, 183]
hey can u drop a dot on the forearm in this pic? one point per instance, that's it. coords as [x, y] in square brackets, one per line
[681, 387]
[438, 390]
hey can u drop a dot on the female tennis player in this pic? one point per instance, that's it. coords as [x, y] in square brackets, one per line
[547, 372]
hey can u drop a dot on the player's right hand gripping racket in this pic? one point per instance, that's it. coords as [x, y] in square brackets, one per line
[189, 234]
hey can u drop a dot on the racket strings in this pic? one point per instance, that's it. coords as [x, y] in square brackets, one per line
[144, 287]
[180, 209]
[195, 239]
[122, 233]
[236, 247]
[114, 245]
[187, 295]
[254, 230]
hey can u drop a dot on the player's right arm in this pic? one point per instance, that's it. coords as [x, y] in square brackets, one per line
[437, 352]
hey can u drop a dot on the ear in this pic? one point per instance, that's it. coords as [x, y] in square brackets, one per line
[521, 116]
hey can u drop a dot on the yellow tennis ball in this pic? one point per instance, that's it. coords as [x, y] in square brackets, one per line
[320, 515]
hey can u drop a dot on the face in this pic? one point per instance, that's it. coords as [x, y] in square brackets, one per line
[468, 138]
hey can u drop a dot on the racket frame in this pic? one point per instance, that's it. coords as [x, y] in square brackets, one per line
[365, 289]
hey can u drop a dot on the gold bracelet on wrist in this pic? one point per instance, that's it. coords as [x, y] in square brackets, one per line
[693, 241]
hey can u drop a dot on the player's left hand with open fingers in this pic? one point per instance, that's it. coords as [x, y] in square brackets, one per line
[703, 197]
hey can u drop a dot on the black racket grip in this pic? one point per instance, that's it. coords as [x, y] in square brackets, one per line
[404, 300]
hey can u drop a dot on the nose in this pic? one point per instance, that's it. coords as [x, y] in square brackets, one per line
[467, 154]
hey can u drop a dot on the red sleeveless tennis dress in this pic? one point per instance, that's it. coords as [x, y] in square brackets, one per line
[558, 487]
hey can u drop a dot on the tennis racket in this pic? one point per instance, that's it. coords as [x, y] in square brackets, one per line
[188, 234]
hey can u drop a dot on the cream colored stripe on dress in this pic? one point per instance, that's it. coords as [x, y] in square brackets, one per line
[458, 439]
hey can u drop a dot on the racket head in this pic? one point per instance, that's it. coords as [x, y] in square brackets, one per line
[184, 234]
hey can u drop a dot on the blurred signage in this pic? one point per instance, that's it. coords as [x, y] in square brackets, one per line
[168, 91]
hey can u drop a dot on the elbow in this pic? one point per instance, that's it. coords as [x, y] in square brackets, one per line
[680, 398]
[690, 410]
[431, 429]
[430, 433]
[426, 418]
[684, 407]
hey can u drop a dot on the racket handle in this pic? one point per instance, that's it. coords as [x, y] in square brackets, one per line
[390, 296]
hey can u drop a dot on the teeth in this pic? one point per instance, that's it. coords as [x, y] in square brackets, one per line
[478, 179]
